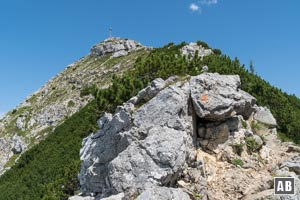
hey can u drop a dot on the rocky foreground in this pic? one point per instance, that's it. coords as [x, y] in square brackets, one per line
[191, 138]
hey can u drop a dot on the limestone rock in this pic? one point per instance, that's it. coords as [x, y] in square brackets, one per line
[265, 116]
[117, 46]
[163, 193]
[192, 48]
[258, 140]
[18, 145]
[155, 161]
[20, 123]
[149, 92]
[5, 151]
[216, 97]
[293, 148]
[293, 164]
[119, 54]
[214, 133]
[134, 150]
[265, 152]
[205, 68]
[51, 115]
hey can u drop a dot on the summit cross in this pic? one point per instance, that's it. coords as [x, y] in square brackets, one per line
[110, 32]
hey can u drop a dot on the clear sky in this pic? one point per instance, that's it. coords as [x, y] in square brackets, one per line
[39, 38]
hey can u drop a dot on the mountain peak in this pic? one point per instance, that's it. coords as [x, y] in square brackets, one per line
[115, 46]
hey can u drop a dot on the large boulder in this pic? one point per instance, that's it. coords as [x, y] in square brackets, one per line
[264, 115]
[18, 144]
[139, 148]
[217, 97]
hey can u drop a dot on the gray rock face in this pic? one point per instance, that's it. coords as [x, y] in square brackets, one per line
[116, 46]
[163, 193]
[51, 115]
[205, 68]
[212, 134]
[265, 116]
[258, 140]
[216, 97]
[192, 48]
[132, 152]
[18, 145]
[149, 92]
[20, 123]
[293, 164]
[119, 54]
[5, 151]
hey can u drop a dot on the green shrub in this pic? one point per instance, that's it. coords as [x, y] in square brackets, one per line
[91, 90]
[244, 124]
[217, 51]
[196, 196]
[71, 104]
[283, 137]
[237, 162]
[203, 44]
[256, 126]
[251, 144]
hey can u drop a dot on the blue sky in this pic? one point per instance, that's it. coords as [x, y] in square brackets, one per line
[39, 38]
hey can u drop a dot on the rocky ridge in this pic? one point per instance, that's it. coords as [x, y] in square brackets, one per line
[62, 96]
[192, 49]
[194, 138]
[117, 47]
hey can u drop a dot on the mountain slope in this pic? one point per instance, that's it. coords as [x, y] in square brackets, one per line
[49, 170]
[63, 95]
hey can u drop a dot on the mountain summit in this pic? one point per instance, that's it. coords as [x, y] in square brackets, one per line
[62, 96]
[116, 47]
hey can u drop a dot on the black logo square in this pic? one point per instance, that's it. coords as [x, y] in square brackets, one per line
[284, 185]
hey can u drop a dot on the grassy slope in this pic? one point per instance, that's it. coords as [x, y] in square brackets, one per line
[49, 170]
